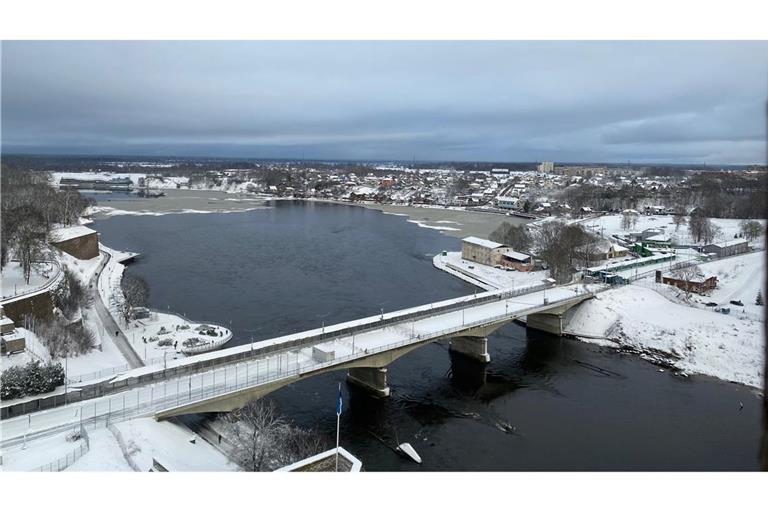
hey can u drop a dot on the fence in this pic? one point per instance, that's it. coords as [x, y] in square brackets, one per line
[241, 353]
[31, 291]
[63, 463]
[189, 389]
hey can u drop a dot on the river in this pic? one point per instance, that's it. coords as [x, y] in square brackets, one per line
[566, 405]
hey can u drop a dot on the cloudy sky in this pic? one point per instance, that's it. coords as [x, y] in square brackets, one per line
[677, 102]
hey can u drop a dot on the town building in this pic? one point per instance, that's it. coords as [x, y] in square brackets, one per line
[508, 203]
[517, 260]
[697, 284]
[547, 167]
[481, 250]
[487, 252]
[11, 339]
[729, 248]
[78, 241]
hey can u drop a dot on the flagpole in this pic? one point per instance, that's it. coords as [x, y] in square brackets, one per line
[338, 421]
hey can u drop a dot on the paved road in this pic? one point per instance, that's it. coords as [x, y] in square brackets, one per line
[108, 322]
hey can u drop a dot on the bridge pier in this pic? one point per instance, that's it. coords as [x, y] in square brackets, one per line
[475, 347]
[547, 322]
[372, 380]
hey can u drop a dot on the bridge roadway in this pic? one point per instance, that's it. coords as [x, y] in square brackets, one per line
[227, 379]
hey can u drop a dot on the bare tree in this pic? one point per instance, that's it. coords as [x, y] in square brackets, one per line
[689, 275]
[256, 429]
[710, 232]
[698, 225]
[516, 237]
[678, 219]
[264, 441]
[558, 245]
[136, 294]
[751, 229]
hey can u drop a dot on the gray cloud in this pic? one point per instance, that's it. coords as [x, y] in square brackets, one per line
[575, 101]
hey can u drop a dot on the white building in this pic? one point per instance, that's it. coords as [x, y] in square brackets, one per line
[546, 167]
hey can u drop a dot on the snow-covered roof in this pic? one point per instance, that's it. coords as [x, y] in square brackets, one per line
[658, 238]
[70, 232]
[517, 256]
[482, 242]
[729, 243]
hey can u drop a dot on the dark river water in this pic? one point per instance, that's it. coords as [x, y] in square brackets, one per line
[573, 406]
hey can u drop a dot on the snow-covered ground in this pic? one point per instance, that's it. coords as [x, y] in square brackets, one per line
[106, 355]
[146, 335]
[689, 339]
[611, 225]
[12, 281]
[488, 278]
[143, 439]
[654, 320]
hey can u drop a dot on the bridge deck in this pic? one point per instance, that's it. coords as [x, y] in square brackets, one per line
[286, 360]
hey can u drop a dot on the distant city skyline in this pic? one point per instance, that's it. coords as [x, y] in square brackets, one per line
[504, 101]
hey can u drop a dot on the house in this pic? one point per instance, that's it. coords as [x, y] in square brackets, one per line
[602, 250]
[697, 284]
[517, 260]
[729, 248]
[507, 202]
[11, 340]
[78, 241]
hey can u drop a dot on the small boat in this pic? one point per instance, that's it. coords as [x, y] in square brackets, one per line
[408, 450]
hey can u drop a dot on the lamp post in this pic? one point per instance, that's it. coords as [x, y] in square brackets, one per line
[382, 313]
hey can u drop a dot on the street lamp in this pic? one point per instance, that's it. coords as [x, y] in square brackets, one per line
[382, 313]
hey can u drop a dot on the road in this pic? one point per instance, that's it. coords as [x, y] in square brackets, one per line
[110, 326]
[288, 363]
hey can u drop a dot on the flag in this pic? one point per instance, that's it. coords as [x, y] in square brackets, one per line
[338, 402]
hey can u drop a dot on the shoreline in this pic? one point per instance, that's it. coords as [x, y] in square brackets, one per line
[451, 221]
[622, 333]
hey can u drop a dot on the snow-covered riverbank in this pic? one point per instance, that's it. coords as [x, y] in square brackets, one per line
[642, 318]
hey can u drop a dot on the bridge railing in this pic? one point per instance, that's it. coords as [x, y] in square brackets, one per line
[271, 368]
[196, 365]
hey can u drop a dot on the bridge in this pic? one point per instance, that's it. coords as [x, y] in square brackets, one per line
[227, 379]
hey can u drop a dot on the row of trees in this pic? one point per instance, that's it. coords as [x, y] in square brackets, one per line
[557, 244]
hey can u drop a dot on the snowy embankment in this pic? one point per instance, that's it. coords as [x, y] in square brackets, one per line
[105, 355]
[691, 340]
[651, 320]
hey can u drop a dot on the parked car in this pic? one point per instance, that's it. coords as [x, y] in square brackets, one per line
[737, 303]
[711, 304]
